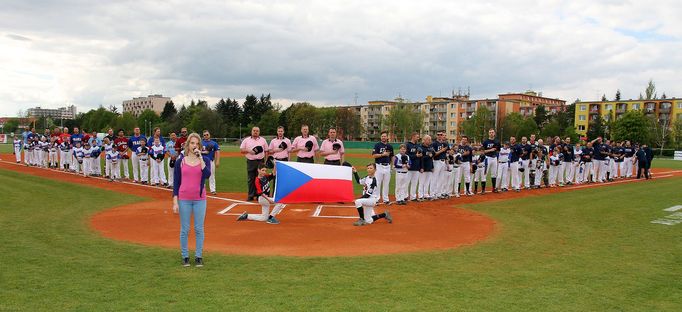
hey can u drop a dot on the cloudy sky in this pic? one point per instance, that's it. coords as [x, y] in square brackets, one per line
[89, 53]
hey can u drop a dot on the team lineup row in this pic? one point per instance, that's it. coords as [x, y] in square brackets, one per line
[83, 153]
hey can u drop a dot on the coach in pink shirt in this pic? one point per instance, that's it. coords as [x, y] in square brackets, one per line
[332, 149]
[254, 148]
[305, 146]
[280, 146]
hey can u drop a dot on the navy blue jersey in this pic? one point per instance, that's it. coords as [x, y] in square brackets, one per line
[528, 150]
[617, 153]
[488, 144]
[76, 138]
[588, 154]
[415, 160]
[568, 152]
[427, 158]
[628, 151]
[380, 148]
[135, 141]
[462, 149]
[516, 152]
[438, 145]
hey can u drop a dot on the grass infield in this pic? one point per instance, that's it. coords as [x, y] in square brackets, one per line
[592, 249]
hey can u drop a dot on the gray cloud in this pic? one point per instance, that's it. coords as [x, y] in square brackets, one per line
[325, 52]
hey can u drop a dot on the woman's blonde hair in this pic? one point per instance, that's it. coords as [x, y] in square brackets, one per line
[189, 138]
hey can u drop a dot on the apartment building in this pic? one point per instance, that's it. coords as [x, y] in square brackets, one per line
[663, 110]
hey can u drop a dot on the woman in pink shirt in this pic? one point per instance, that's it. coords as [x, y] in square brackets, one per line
[189, 195]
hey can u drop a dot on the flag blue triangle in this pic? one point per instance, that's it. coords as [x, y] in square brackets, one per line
[288, 180]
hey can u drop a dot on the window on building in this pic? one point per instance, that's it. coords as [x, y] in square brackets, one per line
[635, 106]
[581, 127]
[679, 105]
[583, 107]
[581, 118]
[609, 107]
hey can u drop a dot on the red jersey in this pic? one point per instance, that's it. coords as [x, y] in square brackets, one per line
[121, 145]
[65, 137]
[179, 143]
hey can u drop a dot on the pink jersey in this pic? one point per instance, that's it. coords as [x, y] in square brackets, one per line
[328, 146]
[299, 143]
[274, 144]
[249, 143]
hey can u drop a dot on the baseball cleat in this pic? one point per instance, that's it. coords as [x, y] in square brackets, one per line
[388, 216]
[242, 216]
[360, 222]
[457, 195]
[272, 221]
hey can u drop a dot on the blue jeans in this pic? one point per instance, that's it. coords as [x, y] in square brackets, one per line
[187, 208]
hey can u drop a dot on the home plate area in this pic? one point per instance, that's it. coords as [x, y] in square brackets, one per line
[330, 211]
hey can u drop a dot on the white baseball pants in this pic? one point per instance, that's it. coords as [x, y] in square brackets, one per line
[265, 209]
[383, 176]
[367, 205]
[413, 177]
[401, 180]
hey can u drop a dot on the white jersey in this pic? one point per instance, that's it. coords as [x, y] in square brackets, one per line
[53, 147]
[142, 153]
[157, 151]
[577, 154]
[369, 187]
[43, 146]
[78, 153]
[87, 152]
[108, 148]
[503, 156]
[555, 159]
[17, 144]
[113, 155]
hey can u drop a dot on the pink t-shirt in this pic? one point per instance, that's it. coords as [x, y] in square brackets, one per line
[249, 143]
[275, 144]
[328, 146]
[191, 182]
[299, 142]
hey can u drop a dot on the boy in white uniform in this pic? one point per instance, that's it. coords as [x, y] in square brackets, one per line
[456, 173]
[113, 159]
[578, 166]
[142, 154]
[107, 146]
[401, 163]
[87, 159]
[503, 168]
[18, 144]
[44, 152]
[77, 153]
[366, 203]
[555, 162]
[157, 152]
[53, 150]
[65, 155]
[479, 164]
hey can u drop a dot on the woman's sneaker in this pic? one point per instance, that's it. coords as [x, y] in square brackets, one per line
[185, 262]
[198, 262]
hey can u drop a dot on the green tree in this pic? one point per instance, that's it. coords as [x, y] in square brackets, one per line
[151, 118]
[402, 120]
[660, 131]
[269, 121]
[650, 91]
[552, 129]
[126, 121]
[617, 95]
[603, 98]
[169, 111]
[477, 126]
[348, 125]
[540, 116]
[326, 118]
[633, 126]
[298, 114]
[10, 126]
[677, 133]
[98, 119]
[250, 116]
[207, 119]
[596, 128]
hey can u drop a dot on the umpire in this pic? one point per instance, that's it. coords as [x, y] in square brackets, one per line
[254, 149]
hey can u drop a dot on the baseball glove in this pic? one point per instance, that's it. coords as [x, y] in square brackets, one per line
[171, 163]
[270, 162]
[403, 158]
[283, 145]
[521, 169]
[258, 149]
[309, 146]
[336, 146]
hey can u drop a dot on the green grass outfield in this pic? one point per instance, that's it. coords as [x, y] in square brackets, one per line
[587, 250]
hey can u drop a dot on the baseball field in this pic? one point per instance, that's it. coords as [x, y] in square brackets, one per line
[71, 243]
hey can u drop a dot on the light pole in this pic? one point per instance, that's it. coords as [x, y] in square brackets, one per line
[240, 130]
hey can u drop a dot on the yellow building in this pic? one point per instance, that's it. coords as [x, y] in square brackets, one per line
[664, 110]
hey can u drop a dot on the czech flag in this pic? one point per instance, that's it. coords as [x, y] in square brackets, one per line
[312, 183]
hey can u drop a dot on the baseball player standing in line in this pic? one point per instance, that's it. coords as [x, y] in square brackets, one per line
[114, 160]
[455, 173]
[426, 171]
[180, 142]
[503, 168]
[578, 165]
[402, 165]
[53, 151]
[529, 148]
[628, 153]
[172, 156]
[491, 147]
[156, 135]
[107, 146]
[157, 153]
[544, 162]
[65, 153]
[280, 146]
[134, 143]
[413, 173]
[515, 163]
[262, 184]
[305, 146]
[599, 165]
[370, 196]
[616, 163]
[465, 150]
[332, 149]
[567, 169]
[383, 158]
[254, 149]
[77, 152]
[18, 146]
[439, 180]
[96, 143]
[556, 142]
[479, 164]
[121, 145]
[142, 155]
[87, 159]
[211, 149]
[588, 160]
[76, 139]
